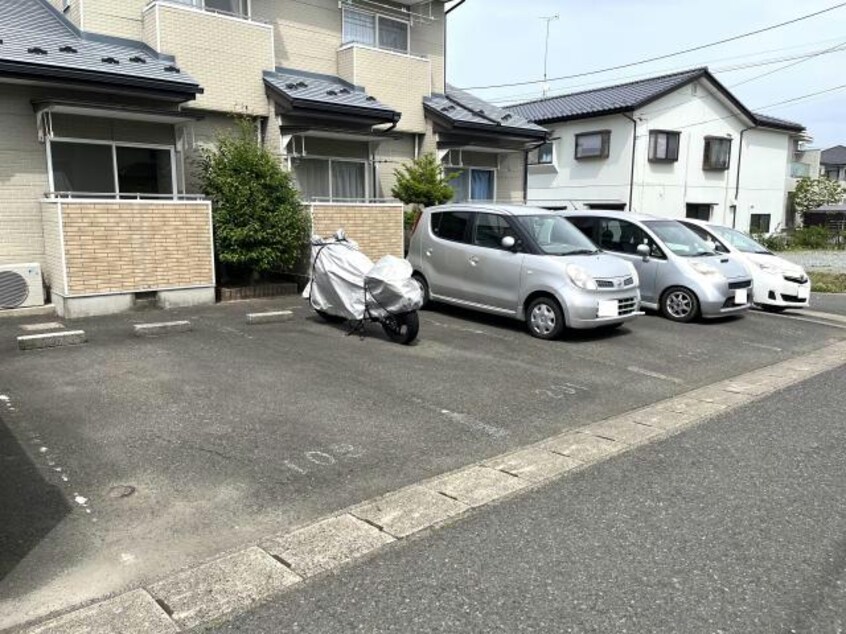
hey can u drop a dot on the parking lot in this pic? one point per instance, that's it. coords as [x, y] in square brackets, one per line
[127, 457]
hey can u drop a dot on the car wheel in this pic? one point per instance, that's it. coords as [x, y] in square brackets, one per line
[417, 277]
[545, 319]
[680, 304]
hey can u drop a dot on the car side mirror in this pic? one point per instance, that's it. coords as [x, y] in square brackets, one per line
[508, 243]
[643, 251]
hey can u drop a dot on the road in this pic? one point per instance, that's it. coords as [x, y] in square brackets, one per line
[738, 525]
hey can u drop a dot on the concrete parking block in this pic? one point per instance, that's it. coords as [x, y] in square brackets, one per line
[583, 447]
[476, 486]
[223, 586]
[408, 511]
[272, 317]
[135, 612]
[534, 464]
[52, 340]
[326, 544]
[161, 328]
[622, 429]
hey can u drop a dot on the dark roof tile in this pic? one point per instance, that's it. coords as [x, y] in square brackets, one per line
[834, 155]
[463, 108]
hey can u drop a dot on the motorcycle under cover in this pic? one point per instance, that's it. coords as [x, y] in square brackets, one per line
[339, 271]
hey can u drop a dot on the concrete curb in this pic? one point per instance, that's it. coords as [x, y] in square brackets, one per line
[52, 340]
[274, 317]
[161, 328]
[195, 596]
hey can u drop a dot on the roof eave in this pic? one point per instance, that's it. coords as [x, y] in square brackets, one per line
[305, 106]
[490, 128]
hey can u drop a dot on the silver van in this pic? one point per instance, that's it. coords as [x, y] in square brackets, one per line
[523, 262]
[680, 274]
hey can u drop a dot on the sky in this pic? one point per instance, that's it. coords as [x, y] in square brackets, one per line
[502, 41]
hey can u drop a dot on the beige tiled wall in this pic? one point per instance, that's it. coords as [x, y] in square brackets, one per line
[23, 178]
[225, 55]
[399, 81]
[510, 177]
[113, 247]
[119, 19]
[378, 229]
[52, 268]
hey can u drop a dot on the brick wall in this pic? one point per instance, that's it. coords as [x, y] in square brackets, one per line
[113, 247]
[378, 229]
[225, 55]
[23, 178]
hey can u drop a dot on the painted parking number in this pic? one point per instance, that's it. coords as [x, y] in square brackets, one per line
[560, 391]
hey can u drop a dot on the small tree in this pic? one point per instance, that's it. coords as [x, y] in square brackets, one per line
[815, 192]
[259, 222]
[422, 183]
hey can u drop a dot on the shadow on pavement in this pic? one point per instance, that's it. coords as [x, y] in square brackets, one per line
[31, 507]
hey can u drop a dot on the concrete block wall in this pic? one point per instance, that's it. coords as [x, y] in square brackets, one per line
[378, 229]
[114, 247]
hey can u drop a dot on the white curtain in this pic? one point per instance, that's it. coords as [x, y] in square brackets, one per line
[312, 177]
[348, 181]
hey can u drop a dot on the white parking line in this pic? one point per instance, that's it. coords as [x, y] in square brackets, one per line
[793, 317]
[654, 375]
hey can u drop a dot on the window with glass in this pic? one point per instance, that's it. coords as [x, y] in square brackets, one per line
[490, 229]
[375, 30]
[239, 8]
[556, 236]
[622, 236]
[451, 225]
[717, 154]
[331, 179]
[543, 155]
[472, 184]
[88, 169]
[698, 212]
[679, 239]
[663, 146]
[759, 223]
[739, 240]
[593, 145]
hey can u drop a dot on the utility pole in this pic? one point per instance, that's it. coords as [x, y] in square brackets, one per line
[548, 19]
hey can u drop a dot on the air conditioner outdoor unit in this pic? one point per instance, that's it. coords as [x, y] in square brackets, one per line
[20, 286]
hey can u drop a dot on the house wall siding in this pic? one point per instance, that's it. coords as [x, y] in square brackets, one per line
[378, 229]
[23, 179]
[114, 247]
[52, 269]
[120, 19]
[225, 55]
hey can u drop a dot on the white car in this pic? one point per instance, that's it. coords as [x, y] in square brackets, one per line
[778, 283]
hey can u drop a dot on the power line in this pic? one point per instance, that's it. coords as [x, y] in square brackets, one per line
[665, 56]
[833, 49]
[839, 48]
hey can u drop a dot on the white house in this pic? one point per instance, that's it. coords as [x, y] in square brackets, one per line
[676, 145]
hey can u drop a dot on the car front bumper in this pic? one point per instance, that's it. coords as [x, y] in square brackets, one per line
[771, 290]
[592, 309]
[725, 298]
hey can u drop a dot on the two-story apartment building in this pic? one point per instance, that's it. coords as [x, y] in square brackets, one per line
[109, 101]
[833, 163]
[676, 145]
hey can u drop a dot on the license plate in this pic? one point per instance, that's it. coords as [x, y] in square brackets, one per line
[804, 292]
[741, 296]
[608, 308]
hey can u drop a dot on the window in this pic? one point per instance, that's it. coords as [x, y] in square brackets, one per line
[679, 239]
[544, 155]
[698, 212]
[663, 146]
[451, 225]
[556, 236]
[331, 179]
[622, 236]
[375, 30]
[717, 153]
[584, 224]
[472, 184]
[240, 8]
[706, 236]
[593, 144]
[490, 229]
[759, 223]
[88, 169]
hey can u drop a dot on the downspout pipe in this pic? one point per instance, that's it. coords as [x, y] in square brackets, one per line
[634, 155]
[737, 175]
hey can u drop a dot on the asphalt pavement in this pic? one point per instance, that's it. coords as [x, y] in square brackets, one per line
[834, 303]
[737, 525]
[153, 454]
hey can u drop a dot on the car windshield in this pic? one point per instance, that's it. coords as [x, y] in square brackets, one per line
[738, 240]
[556, 236]
[679, 239]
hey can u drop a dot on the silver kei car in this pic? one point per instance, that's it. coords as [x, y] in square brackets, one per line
[522, 262]
[680, 274]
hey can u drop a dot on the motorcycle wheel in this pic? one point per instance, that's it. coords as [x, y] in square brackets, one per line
[402, 328]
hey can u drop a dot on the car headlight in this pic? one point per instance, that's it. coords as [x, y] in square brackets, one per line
[581, 278]
[704, 268]
[769, 268]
